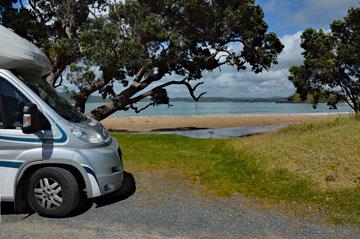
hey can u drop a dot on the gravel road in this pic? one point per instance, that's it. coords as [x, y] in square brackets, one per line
[166, 208]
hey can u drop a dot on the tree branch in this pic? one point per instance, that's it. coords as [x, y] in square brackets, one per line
[54, 75]
[140, 74]
[182, 82]
[100, 83]
[38, 13]
[197, 85]
[347, 91]
[93, 14]
[60, 83]
[137, 110]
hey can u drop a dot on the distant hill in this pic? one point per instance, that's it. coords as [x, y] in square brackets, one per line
[224, 99]
[296, 98]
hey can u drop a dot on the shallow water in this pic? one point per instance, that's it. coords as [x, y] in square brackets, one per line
[223, 133]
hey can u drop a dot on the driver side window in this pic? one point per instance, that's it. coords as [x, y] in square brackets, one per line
[12, 102]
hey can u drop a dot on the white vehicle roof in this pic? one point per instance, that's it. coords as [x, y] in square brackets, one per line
[17, 53]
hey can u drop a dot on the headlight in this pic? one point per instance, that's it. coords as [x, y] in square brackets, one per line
[87, 135]
[105, 132]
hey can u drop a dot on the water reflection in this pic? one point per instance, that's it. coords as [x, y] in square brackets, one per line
[222, 133]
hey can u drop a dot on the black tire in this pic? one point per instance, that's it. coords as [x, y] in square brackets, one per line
[68, 192]
[128, 187]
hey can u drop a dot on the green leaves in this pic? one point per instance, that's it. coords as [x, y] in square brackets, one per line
[332, 62]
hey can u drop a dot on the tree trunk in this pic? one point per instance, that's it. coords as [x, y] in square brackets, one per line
[356, 104]
[54, 75]
[80, 103]
[124, 100]
[121, 102]
[82, 96]
[51, 79]
[106, 110]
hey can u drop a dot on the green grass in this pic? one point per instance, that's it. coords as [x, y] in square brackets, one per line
[291, 166]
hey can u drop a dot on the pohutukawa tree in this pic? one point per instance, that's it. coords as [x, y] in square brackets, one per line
[148, 46]
[332, 63]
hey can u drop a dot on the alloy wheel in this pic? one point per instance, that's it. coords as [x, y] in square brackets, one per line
[48, 193]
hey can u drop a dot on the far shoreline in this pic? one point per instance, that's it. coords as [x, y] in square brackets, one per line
[190, 122]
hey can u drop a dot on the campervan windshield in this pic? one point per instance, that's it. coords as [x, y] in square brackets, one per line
[57, 102]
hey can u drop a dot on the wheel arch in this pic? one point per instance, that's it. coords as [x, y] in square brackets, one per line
[23, 179]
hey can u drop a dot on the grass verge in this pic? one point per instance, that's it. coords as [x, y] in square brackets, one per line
[314, 163]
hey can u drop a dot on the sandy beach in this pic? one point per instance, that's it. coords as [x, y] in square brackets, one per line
[153, 123]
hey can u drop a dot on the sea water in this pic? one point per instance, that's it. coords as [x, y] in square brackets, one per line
[221, 108]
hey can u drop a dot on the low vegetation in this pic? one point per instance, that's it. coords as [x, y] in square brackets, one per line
[314, 164]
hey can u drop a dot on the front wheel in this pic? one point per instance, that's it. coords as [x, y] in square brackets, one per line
[53, 192]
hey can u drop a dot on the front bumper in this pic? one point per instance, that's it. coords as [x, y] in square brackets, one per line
[104, 168]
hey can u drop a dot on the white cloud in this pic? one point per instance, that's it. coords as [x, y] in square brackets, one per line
[291, 54]
[274, 82]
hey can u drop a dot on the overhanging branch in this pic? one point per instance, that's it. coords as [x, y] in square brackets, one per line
[58, 84]
[184, 82]
[192, 90]
[137, 110]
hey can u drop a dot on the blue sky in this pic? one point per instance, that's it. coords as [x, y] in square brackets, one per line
[290, 16]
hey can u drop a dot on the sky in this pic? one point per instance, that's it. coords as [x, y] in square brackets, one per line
[287, 18]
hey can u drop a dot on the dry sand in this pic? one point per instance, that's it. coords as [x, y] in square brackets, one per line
[153, 123]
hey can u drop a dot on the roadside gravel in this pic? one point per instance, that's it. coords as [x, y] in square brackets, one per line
[168, 208]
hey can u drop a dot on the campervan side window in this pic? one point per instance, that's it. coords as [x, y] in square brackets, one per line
[12, 102]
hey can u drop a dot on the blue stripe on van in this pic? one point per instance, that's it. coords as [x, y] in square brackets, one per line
[90, 171]
[9, 164]
[62, 139]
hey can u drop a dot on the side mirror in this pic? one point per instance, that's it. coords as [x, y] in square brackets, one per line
[34, 120]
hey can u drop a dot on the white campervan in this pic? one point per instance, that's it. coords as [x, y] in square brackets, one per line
[49, 152]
